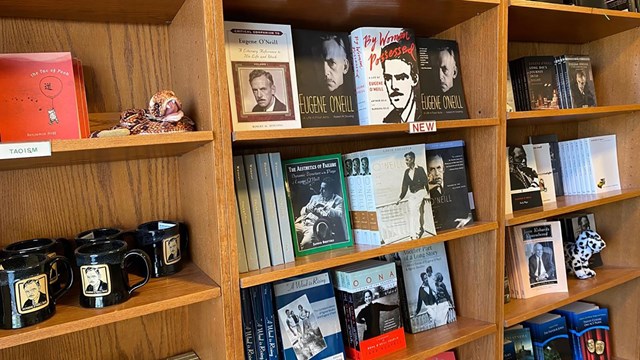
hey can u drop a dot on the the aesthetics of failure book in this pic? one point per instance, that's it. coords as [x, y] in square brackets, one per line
[385, 64]
[523, 177]
[318, 204]
[308, 317]
[261, 71]
[442, 94]
[327, 92]
[41, 97]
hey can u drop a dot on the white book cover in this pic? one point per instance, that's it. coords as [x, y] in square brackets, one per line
[540, 257]
[262, 76]
[545, 172]
[368, 201]
[385, 64]
[357, 202]
[604, 161]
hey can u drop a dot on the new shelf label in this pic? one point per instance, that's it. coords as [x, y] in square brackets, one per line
[25, 150]
[422, 127]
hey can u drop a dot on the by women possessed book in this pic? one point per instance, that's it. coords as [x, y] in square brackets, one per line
[318, 203]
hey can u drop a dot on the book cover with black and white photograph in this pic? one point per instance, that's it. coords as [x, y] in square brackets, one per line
[523, 177]
[385, 64]
[573, 225]
[579, 77]
[318, 204]
[261, 71]
[428, 293]
[447, 183]
[541, 82]
[399, 186]
[308, 318]
[324, 66]
[442, 94]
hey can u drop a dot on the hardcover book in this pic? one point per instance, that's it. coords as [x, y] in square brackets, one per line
[318, 203]
[523, 177]
[308, 318]
[385, 64]
[261, 72]
[39, 97]
[442, 94]
[327, 92]
[447, 183]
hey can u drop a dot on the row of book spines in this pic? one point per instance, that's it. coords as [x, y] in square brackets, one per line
[579, 168]
[265, 234]
[260, 333]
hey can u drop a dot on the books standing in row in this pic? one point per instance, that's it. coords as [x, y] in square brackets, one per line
[43, 97]
[282, 78]
[548, 82]
[622, 5]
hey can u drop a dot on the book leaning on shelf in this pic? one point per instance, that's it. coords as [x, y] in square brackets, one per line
[523, 179]
[550, 337]
[588, 330]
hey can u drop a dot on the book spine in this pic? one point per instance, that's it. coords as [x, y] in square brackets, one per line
[281, 204]
[258, 323]
[360, 74]
[260, 231]
[269, 209]
[269, 321]
[242, 255]
[244, 207]
[369, 192]
[248, 330]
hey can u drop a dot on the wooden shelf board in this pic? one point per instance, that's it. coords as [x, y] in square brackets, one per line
[135, 11]
[429, 343]
[333, 258]
[518, 310]
[535, 21]
[189, 286]
[350, 14]
[567, 204]
[79, 151]
[567, 115]
[344, 133]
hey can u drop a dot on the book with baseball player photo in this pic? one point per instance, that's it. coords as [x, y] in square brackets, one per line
[318, 204]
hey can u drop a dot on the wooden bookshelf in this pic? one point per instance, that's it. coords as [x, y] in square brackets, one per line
[519, 310]
[569, 203]
[338, 257]
[559, 23]
[541, 117]
[189, 286]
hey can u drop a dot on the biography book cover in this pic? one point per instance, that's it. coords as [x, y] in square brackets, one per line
[442, 94]
[541, 82]
[308, 316]
[38, 97]
[523, 177]
[448, 189]
[579, 78]
[385, 64]
[318, 204]
[324, 66]
[261, 71]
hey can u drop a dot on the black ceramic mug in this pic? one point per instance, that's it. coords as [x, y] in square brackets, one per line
[46, 246]
[25, 296]
[165, 242]
[103, 271]
[103, 234]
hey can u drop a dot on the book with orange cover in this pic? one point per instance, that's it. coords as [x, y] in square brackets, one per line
[38, 97]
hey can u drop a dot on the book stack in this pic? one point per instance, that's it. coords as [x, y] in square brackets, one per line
[535, 259]
[43, 97]
[588, 329]
[623, 5]
[589, 165]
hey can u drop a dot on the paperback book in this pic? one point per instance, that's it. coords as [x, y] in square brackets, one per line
[523, 177]
[588, 330]
[520, 337]
[550, 337]
[579, 80]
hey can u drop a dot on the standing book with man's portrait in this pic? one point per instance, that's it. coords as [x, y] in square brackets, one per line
[442, 94]
[326, 90]
[261, 71]
[318, 204]
[579, 78]
[524, 181]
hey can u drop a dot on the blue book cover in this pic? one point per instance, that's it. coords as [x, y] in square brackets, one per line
[308, 317]
[509, 350]
[258, 323]
[550, 338]
[521, 340]
[247, 325]
[269, 321]
[588, 330]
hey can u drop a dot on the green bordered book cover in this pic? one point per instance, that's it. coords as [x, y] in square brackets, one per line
[318, 205]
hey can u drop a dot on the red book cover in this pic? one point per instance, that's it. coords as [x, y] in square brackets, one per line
[449, 355]
[38, 97]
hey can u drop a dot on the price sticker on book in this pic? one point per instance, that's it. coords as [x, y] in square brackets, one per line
[420, 127]
[25, 150]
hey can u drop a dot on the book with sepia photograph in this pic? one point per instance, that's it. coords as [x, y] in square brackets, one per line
[261, 71]
[326, 90]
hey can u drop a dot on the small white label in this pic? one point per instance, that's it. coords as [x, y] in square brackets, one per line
[422, 127]
[25, 150]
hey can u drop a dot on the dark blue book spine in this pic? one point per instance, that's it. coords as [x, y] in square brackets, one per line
[258, 323]
[247, 325]
[269, 321]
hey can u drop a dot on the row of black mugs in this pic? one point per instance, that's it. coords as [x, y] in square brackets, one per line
[34, 274]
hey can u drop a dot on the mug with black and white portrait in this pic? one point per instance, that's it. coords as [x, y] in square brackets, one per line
[25, 296]
[164, 241]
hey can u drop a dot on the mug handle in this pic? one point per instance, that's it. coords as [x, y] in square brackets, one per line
[147, 261]
[184, 234]
[67, 264]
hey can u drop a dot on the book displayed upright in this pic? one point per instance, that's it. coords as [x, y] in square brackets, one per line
[261, 72]
[554, 151]
[324, 66]
[244, 208]
[579, 81]
[442, 94]
[550, 337]
[588, 330]
[385, 64]
[521, 339]
[318, 204]
[542, 153]
[523, 177]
